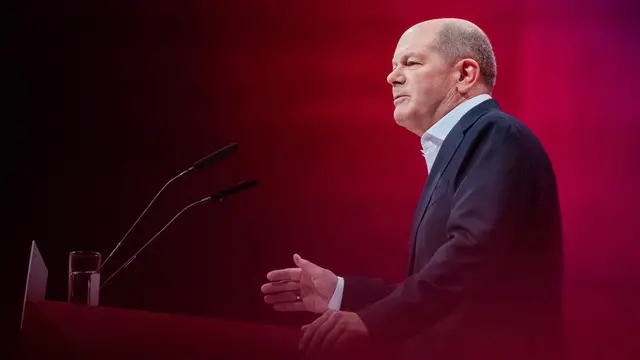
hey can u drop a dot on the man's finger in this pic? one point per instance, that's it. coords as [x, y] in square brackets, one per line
[330, 340]
[311, 329]
[285, 274]
[280, 286]
[280, 298]
[291, 306]
[306, 265]
[347, 340]
[322, 332]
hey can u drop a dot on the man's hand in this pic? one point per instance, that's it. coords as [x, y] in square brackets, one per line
[334, 330]
[305, 288]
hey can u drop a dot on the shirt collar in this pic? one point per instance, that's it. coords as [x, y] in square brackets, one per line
[439, 131]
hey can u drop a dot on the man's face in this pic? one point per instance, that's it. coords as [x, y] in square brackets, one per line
[420, 80]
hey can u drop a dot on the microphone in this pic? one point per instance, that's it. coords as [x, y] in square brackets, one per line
[212, 158]
[231, 190]
[217, 196]
[197, 166]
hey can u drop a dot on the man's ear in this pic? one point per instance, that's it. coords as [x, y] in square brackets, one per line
[468, 74]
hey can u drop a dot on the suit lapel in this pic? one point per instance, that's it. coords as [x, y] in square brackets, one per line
[449, 147]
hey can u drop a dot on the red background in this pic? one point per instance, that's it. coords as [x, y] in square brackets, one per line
[125, 96]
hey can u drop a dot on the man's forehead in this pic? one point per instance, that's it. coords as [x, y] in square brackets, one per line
[413, 42]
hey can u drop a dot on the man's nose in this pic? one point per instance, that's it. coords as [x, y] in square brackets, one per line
[396, 77]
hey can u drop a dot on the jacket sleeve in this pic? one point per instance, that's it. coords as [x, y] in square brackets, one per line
[360, 292]
[487, 208]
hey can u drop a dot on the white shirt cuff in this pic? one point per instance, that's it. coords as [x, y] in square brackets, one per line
[336, 299]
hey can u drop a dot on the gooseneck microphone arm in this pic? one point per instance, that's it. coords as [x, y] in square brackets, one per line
[197, 166]
[153, 238]
[218, 196]
[140, 217]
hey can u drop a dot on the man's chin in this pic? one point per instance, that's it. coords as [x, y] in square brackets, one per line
[401, 118]
[405, 121]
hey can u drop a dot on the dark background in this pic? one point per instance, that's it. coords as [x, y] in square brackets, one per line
[115, 98]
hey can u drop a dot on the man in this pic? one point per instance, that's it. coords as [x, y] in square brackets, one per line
[485, 268]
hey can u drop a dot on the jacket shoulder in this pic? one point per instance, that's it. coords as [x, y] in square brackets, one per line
[498, 124]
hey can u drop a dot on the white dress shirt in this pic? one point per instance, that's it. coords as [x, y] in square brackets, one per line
[431, 142]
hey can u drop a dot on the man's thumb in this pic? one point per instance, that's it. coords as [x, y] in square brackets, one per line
[306, 265]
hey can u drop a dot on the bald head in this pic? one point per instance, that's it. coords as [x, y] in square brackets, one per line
[437, 65]
[458, 39]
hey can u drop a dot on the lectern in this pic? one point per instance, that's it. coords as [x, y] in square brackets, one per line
[69, 331]
[61, 330]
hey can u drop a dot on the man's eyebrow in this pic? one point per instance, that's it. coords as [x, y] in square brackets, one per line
[406, 56]
[411, 54]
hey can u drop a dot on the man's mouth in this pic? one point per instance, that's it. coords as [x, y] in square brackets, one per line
[399, 98]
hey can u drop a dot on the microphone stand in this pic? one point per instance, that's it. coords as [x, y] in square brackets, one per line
[218, 196]
[141, 215]
[153, 238]
[197, 166]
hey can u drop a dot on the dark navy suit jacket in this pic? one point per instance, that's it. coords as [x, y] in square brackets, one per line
[485, 271]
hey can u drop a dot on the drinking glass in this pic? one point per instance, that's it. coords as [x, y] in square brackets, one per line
[84, 277]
